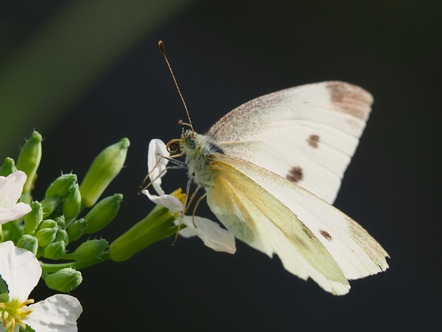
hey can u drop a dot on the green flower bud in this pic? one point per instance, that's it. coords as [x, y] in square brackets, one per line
[60, 221]
[55, 250]
[64, 280]
[104, 169]
[8, 167]
[147, 231]
[72, 204]
[90, 250]
[77, 229]
[28, 242]
[29, 159]
[49, 205]
[61, 186]
[33, 218]
[103, 213]
[48, 223]
[62, 235]
[46, 236]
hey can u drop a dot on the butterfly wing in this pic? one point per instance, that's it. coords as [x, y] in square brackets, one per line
[306, 134]
[311, 237]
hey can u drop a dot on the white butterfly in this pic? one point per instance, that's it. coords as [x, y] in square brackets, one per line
[272, 167]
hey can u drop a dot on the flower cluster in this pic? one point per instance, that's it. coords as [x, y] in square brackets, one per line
[34, 234]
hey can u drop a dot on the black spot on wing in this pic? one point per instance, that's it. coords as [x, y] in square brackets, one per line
[326, 234]
[295, 174]
[313, 141]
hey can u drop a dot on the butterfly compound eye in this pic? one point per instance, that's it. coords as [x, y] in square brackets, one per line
[173, 146]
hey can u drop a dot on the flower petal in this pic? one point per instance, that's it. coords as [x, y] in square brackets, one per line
[168, 201]
[58, 313]
[213, 236]
[185, 232]
[156, 164]
[11, 188]
[19, 269]
[14, 212]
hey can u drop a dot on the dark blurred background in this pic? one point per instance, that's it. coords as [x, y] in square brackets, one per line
[87, 73]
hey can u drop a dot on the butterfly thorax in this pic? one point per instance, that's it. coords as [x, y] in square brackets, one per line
[198, 150]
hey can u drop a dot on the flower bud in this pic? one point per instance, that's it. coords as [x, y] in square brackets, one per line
[28, 242]
[77, 229]
[64, 280]
[103, 213]
[151, 229]
[72, 204]
[62, 235]
[103, 170]
[55, 250]
[90, 250]
[48, 223]
[29, 159]
[61, 186]
[61, 223]
[33, 218]
[49, 205]
[8, 167]
[46, 236]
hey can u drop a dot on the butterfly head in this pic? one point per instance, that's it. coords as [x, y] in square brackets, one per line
[188, 142]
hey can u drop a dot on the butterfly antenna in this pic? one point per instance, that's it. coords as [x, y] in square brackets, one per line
[163, 51]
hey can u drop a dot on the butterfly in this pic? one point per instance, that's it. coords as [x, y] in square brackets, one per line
[271, 170]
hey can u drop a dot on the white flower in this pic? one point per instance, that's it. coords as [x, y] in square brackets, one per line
[11, 188]
[213, 236]
[210, 232]
[156, 164]
[21, 271]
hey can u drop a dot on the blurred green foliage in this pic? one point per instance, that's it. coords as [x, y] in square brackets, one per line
[68, 55]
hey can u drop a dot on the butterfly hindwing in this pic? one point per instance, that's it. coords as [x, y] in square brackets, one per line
[312, 238]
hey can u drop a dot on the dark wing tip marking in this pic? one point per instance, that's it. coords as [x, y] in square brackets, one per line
[313, 141]
[295, 174]
[326, 234]
[349, 98]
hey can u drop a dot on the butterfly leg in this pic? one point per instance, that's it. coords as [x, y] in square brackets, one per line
[196, 206]
[178, 165]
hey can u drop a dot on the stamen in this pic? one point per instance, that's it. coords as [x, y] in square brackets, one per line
[28, 301]
[12, 324]
[13, 314]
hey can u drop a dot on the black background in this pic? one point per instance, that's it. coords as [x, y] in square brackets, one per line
[225, 53]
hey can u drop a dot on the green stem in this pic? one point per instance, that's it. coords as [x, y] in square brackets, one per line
[51, 268]
[44, 274]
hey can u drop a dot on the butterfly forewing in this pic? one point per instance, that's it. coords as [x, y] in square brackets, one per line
[306, 134]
